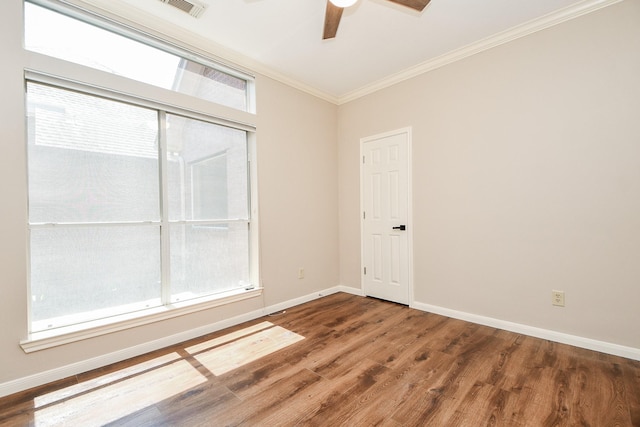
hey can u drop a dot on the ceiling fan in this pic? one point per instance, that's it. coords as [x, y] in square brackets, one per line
[335, 7]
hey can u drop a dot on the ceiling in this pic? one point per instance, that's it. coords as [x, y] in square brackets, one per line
[378, 42]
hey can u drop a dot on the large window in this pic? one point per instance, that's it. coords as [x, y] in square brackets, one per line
[134, 204]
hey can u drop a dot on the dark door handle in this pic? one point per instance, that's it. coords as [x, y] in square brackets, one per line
[400, 227]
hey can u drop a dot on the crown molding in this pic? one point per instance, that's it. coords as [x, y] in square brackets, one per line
[490, 42]
[135, 18]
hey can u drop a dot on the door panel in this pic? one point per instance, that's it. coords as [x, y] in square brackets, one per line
[377, 257]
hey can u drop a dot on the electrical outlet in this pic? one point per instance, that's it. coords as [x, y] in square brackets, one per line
[557, 298]
[301, 273]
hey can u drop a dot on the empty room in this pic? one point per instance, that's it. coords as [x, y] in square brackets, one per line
[320, 212]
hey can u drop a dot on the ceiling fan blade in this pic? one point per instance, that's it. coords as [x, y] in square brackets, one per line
[331, 20]
[418, 5]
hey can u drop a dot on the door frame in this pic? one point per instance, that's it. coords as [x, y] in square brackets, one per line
[408, 131]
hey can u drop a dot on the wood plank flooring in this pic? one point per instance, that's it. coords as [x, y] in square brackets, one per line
[345, 360]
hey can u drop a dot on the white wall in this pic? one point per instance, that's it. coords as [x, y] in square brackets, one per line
[526, 163]
[297, 157]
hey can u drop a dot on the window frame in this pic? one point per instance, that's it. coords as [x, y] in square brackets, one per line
[62, 74]
[158, 41]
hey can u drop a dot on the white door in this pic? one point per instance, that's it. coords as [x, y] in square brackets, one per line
[385, 216]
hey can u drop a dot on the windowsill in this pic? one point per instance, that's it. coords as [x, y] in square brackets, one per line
[69, 334]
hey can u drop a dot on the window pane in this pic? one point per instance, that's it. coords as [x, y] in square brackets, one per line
[85, 273]
[208, 259]
[60, 36]
[207, 177]
[90, 159]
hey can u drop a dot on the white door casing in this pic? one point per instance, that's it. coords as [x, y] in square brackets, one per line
[385, 205]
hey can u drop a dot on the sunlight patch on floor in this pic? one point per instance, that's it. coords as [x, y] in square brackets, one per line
[231, 336]
[117, 394]
[247, 349]
[106, 404]
[86, 386]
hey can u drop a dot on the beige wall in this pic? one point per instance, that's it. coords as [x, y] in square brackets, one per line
[13, 207]
[297, 158]
[298, 188]
[526, 178]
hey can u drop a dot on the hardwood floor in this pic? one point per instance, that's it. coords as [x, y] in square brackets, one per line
[345, 360]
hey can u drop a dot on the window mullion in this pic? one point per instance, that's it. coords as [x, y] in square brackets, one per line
[164, 210]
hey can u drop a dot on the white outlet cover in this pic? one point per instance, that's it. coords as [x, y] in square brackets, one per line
[557, 298]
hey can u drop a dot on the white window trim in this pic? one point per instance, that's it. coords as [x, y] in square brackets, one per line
[57, 72]
[56, 337]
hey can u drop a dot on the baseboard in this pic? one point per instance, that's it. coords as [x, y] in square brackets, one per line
[577, 341]
[300, 300]
[349, 290]
[41, 378]
[310, 297]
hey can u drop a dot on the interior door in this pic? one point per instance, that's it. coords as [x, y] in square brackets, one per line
[385, 215]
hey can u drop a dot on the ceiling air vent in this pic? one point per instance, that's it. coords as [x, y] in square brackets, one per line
[191, 7]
